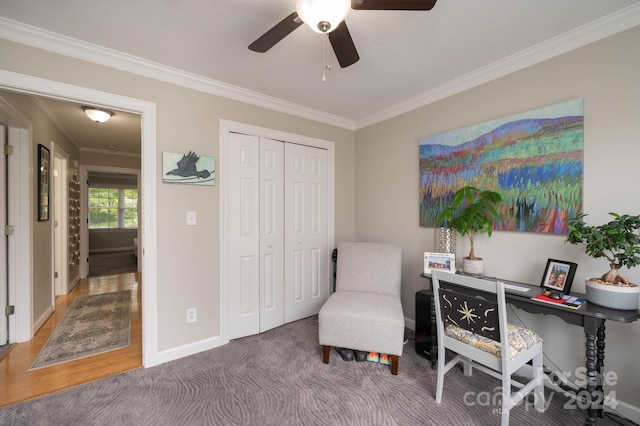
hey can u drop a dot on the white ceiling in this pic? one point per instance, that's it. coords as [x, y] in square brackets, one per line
[403, 55]
[121, 134]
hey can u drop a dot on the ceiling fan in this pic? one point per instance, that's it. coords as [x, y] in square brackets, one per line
[327, 17]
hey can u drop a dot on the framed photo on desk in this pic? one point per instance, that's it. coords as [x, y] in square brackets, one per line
[558, 275]
[441, 261]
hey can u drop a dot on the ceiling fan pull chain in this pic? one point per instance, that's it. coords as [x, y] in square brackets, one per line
[326, 66]
[324, 58]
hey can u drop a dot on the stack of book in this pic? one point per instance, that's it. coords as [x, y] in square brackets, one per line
[567, 301]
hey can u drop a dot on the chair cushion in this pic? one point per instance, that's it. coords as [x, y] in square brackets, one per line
[372, 267]
[364, 321]
[519, 339]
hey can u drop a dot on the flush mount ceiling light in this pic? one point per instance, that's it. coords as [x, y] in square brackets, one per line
[97, 115]
[323, 16]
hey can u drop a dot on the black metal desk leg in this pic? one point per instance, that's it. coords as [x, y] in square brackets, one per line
[600, 365]
[592, 382]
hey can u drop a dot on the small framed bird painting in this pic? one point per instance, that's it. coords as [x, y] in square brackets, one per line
[188, 168]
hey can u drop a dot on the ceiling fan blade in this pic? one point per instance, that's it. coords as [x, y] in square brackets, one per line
[392, 4]
[343, 46]
[277, 33]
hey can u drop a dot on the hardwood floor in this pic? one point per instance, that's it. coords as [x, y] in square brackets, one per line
[18, 384]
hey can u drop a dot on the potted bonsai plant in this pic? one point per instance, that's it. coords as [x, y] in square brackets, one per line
[618, 241]
[471, 211]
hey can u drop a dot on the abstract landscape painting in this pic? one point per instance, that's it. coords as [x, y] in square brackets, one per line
[534, 160]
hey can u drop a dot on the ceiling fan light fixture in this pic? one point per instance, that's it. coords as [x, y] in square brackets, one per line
[97, 115]
[323, 16]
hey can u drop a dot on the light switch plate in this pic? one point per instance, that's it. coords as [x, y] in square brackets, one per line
[191, 218]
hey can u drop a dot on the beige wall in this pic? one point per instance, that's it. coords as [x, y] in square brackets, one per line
[377, 181]
[111, 240]
[605, 75]
[188, 259]
[104, 159]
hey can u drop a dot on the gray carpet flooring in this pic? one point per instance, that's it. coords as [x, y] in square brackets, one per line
[278, 378]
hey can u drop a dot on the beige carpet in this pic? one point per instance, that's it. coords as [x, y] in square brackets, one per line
[92, 325]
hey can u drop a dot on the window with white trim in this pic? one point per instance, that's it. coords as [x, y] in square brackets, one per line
[113, 208]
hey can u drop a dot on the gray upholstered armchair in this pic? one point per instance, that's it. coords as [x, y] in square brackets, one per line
[365, 312]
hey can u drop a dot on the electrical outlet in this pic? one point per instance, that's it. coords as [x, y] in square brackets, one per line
[192, 315]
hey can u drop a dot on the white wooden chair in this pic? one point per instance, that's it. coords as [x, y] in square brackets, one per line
[471, 321]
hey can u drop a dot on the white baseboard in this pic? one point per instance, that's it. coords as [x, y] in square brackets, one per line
[40, 321]
[410, 324]
[629, 411]
[73, 284]
[190, 349]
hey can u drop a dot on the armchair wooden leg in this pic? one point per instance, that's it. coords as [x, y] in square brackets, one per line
[394, 364]
[326, 350]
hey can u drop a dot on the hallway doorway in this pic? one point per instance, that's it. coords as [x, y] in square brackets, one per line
[22, 328]
[112, 235]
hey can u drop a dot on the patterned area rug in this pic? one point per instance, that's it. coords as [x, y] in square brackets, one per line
[92, 325]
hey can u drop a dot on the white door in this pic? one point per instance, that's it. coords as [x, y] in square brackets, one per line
[271, 234]
[244, 236]
[4, 285]
[58, 245]
[278, 248]
[306, 231]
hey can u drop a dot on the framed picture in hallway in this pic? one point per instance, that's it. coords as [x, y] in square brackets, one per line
[44, 160]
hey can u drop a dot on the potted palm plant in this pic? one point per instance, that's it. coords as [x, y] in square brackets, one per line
[471, 211]
[618, 241]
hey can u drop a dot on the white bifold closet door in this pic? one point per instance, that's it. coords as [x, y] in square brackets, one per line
[271, 234]
[306, 245]
[278, 248]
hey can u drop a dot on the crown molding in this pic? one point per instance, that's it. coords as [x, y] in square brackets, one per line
[606, 26]
[43, 39]
[108, 152]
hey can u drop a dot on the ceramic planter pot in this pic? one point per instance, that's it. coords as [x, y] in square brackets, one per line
[611, 296]
[472, 266]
